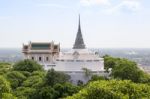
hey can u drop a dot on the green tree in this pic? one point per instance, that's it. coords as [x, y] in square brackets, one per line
[8, 96]
[126, 69]
[110, 62]
[66, 89]
[15, 78]
[39, 73]
[4, 86]
[97, 77]
[46, 92]
[4, 68]
[33, 81]
[113, 89]
[53, 77]
[24, 92]
[26, 73]
[27, 65]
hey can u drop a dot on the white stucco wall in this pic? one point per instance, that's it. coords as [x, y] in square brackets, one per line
[77, 66]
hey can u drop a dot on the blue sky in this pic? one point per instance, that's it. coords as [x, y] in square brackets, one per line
[105, 23]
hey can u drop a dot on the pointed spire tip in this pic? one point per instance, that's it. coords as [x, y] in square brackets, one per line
[79, 42]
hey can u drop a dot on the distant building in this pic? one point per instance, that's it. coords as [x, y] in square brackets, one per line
[44, 53]
[72, 62]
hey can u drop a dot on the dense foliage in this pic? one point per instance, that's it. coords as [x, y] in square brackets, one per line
[54, 77]
[28, 80]
[125, 70]
[27, 65]
[113, 89]
[15, 78]
[4, 86]
[4, 68]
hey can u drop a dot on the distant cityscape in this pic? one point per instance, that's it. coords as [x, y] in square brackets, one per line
[141, 56]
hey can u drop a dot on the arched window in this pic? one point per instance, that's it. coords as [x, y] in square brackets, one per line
[32, 58]
[47, 59]
[40, 58]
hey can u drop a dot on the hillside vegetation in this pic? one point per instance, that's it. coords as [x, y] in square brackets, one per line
[28, 80]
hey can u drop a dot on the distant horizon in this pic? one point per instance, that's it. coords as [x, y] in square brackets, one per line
[104, 23]
[87, 48]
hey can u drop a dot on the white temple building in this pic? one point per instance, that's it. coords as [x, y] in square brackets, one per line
[79, 57]
[73, 61]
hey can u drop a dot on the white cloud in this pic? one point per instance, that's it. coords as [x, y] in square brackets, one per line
[94, 2]
[110, 7]
[130, 5]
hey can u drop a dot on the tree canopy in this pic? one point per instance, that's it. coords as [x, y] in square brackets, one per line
[4, 68]
[26, 79]
[4, 86]
[27, 65]
[125, 69]
[16, 78]
[113, 89]
[52, 77]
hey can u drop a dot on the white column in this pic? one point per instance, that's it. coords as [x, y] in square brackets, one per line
[43, 60]
[36, 58]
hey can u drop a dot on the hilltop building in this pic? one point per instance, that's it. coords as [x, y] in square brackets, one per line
[72, 62]
[78, 58]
